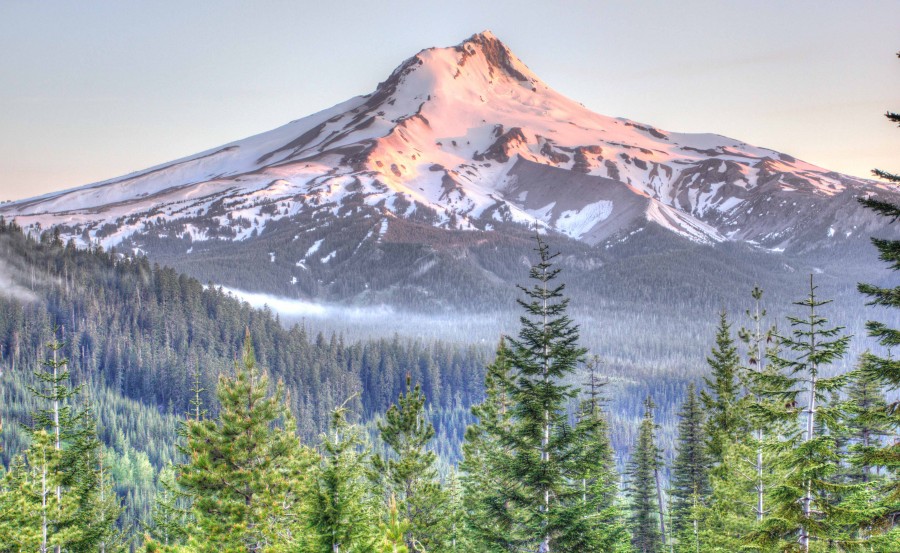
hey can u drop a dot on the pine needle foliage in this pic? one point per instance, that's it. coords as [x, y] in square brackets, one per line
[803, 514]
[645, 462]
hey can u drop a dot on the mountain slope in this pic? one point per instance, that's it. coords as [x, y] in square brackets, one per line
[464, 138]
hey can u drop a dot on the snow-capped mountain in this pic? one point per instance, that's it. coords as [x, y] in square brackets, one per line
[464, 138]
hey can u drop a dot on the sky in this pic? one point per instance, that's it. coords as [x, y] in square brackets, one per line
[93, 90]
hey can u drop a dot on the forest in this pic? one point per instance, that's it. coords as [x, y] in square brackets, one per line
[144, 411]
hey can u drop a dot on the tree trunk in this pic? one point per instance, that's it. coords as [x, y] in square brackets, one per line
[659, 499]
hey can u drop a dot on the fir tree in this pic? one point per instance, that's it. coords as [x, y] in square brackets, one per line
[488, 516]
[802, 510]
[65, 498]
[341, 516]
[410, 475]
[457, 538]
[545, 504]
[246, 470]
[690, 488]
[868, 421]
[171, 518]
[757, 339]
[721, 396]
[885, 370]
[603, 520]
[644, 518]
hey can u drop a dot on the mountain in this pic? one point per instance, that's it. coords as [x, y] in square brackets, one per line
[391, 196]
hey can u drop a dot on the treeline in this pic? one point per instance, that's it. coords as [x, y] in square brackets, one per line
[145, 330]
[137, 336]
[777, 451]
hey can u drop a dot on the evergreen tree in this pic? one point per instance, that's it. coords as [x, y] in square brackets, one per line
[722, 394]
[410, 475]
[603, 520]
[758, 372]
[885, 369]
[64, 500]
[690, 487]
[487, 513]
[545, 503]
[246, 471]
[457, 538]
[341, 516]
[741, 484]
[171, 518]
[868, 421]
[645, 519]
[802, 507]
[393, 532]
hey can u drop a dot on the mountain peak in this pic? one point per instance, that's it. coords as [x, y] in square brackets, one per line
[497, 54]
[464, 137]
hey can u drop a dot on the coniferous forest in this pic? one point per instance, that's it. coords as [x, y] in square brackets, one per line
[144, 411]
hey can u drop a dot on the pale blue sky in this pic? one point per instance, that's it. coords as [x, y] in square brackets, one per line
[92, 90]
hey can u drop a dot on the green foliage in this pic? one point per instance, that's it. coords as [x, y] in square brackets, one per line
[720, 401]
[342, 517]
[644, 517]
[883, 370]
[803, 509]
[246, 468]
[57, 494]
[488, 515]
[690, 488]
[409, 474]
[545, 504]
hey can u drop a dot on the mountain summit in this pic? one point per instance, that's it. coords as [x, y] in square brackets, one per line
[464, 138]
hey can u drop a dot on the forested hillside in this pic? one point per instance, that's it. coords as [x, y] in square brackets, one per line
[139, 337]
[144, 410]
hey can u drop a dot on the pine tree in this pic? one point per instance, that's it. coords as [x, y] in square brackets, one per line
[393, 532]
[721, 396]
[741, 484]
[802, 510]
[171, 517]
[488, 517]
[457, 538]
[246, 471]
[690, 488]
[885, 370]
[644, 519]
[63, 495]
[867, 507]
[868, 421]
[602, 517]
[758, 372]
[545, 504]
[341, 516]
[25, 497]
[410, 475]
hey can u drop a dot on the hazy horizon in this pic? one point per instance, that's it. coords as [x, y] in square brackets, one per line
[106, 89]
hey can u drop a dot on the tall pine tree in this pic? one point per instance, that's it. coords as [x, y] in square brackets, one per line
[65, 502]
[886, 369]
[246, 470]
[690, 487]
[342, 517]
[643, 471]
[409, 475]
[802, 509]
[488, 516]
[722, 393]
[546, 502]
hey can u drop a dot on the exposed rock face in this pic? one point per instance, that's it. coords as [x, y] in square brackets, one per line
[505, 144]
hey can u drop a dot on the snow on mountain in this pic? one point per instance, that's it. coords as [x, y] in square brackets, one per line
[464, 138]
